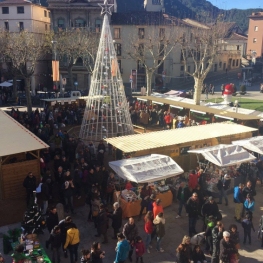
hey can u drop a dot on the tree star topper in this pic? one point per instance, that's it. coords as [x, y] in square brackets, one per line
[106, 7]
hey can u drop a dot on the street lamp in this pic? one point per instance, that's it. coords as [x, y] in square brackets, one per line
[55, 68]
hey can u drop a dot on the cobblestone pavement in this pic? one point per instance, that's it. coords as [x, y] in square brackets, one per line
[175, 230]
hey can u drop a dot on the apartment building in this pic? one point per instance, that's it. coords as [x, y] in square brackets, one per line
[18, 15]
[255, 36]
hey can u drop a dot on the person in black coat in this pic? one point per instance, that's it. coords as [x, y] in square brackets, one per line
[192, 207]
[56, 242]
[198, 255]
[248, 190]
[64, 226]
[52, 219]
[227, 248]
[217, 235]
[102, 224]
[30, 183]
[101, 152]
[116, 217]
[44, 195]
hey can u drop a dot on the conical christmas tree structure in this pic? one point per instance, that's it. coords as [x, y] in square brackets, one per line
[107, 111]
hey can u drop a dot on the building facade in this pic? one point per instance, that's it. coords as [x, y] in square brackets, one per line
[77, 14]
[255, 36]
[18, 15]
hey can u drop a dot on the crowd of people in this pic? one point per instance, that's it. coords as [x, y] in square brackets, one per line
[72, 170]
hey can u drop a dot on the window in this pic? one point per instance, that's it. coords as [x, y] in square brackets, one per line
[80, 22]
[5, 10]
[141, 33]
[156, 2]
[117, 33]
[238, 48]
[140, 67]
[119, 64]
[182, 68]
[160, 70]
[141, 49]
[189, 69]
[98, 25]
[220, 64]
[161, 50]
[256, 28]
[61, 23]
[161, 32]
[45, 13]
[49, 14]
[233, 62]
[117, 47]
[46, 27]
[237, 63]
[254, 40]
[20, 10]
[6, 26]
[21, 26]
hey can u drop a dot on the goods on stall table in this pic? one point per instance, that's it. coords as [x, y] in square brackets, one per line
[129, 195]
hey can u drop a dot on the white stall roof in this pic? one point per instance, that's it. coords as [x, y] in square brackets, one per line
[254, 144]
[149, 168]
[225, 155]
[15, 138]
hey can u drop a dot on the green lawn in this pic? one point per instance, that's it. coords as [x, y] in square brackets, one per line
[244, 103]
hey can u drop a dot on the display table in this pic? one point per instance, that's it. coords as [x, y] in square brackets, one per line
[130, 209]
[41, 249]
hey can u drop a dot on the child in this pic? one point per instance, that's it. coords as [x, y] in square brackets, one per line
[139, 248]
[247, 225]
[198, 255]
[85, 256]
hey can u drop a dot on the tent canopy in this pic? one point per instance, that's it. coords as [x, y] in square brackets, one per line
[6, 84]
[146, 169]
[254, 144]
[225, 155]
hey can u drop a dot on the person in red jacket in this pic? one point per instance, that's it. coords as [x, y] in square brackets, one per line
[148, 228]
[139, 248]
[193, 180]
[157, 207]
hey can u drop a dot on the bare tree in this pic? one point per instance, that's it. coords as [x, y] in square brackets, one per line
[200, 45]
[74, 44]
[23, 50]
[152, 49]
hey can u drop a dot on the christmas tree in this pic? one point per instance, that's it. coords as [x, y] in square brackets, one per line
[107, 111]
[33, 222]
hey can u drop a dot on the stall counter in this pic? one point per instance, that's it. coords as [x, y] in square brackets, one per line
[130, 209]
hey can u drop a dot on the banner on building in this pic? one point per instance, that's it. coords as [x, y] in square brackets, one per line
[55, 70]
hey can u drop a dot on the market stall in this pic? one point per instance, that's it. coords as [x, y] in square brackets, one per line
[219, 160]
[254, 144]
[153, 169]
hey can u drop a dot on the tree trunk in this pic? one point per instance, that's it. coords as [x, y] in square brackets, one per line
[149, 75]
[198, 90]
[28, 95]
[14, 95]
[70, 77]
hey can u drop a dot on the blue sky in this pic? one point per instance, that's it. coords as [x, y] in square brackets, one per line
[240, 4]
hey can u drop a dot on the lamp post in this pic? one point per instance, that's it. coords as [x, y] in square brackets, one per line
[54, 43]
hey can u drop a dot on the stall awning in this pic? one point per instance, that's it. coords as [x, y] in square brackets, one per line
[225, 155]
[188, 104]
[146, 169]
[254, 144]
[15, 138]
[152, 140]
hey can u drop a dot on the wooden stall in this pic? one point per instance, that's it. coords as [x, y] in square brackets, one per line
[19, 155]
[200, 112]
[175, 143]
